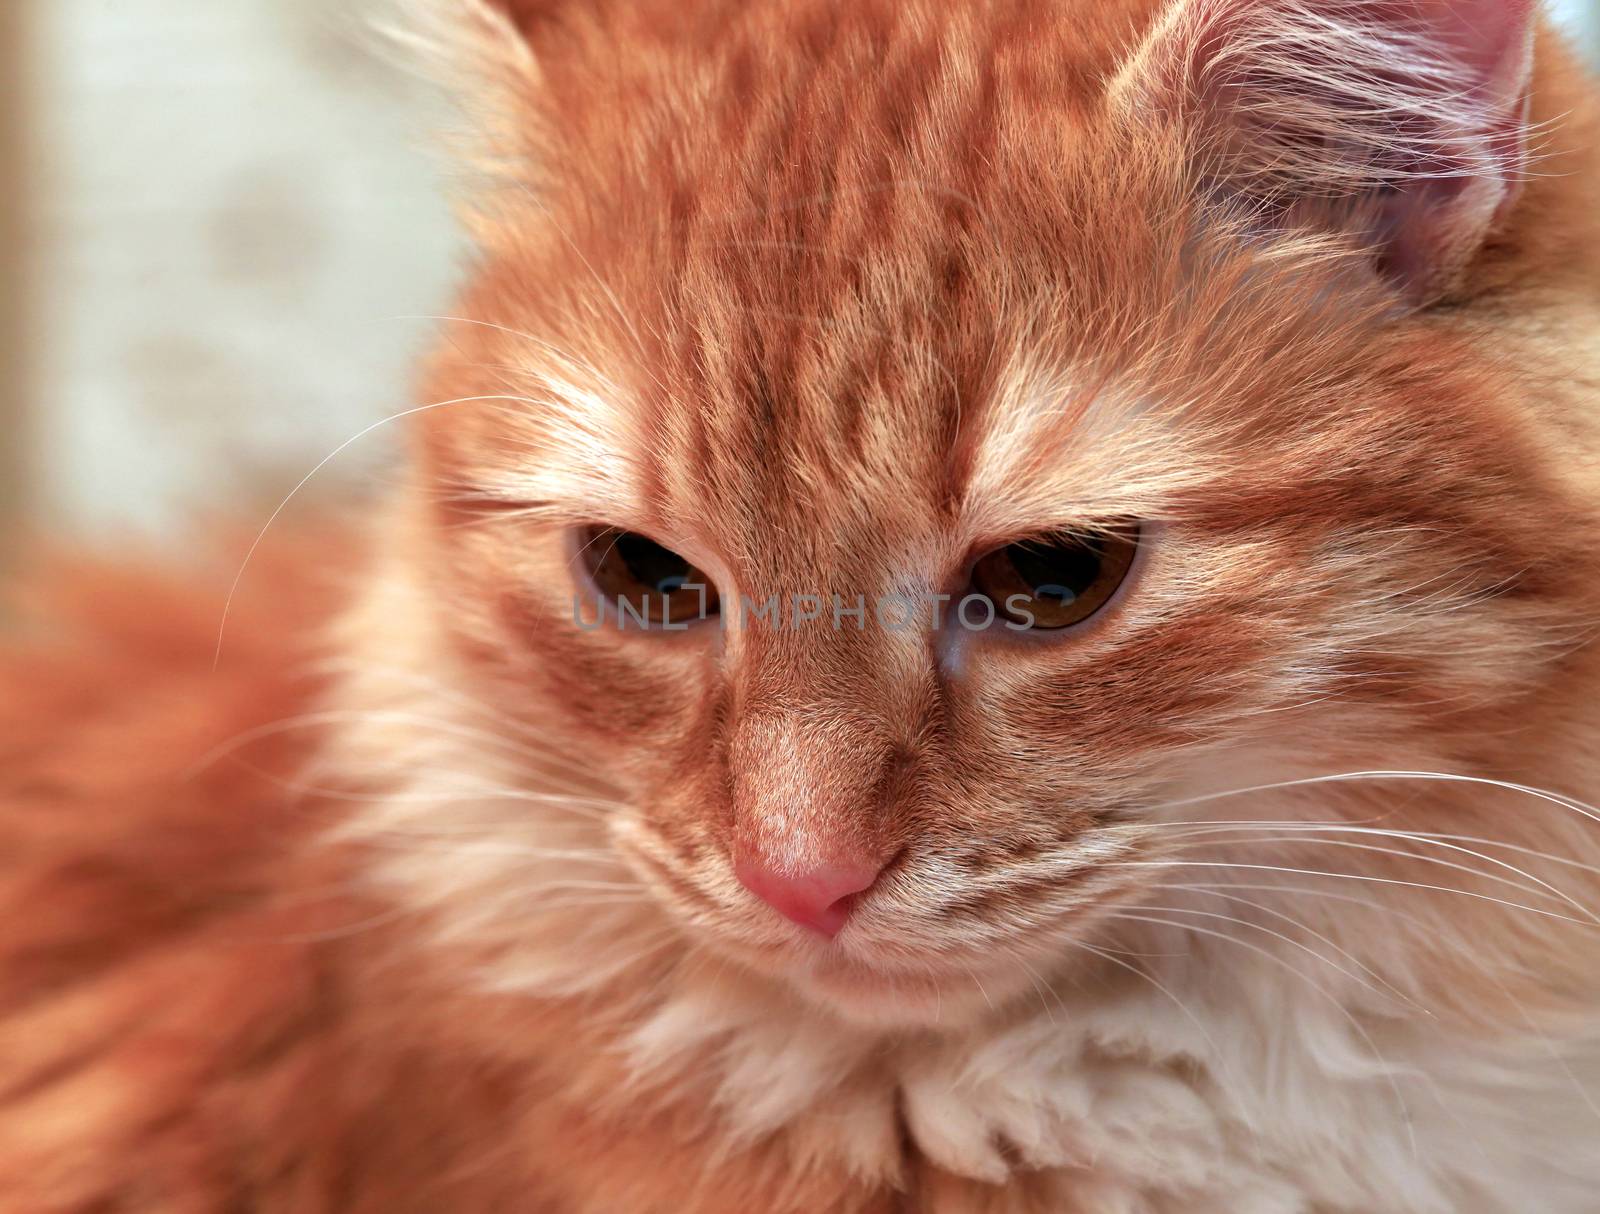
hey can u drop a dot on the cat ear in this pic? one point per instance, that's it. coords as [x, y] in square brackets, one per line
[526, 16]
[501, 38]
[1401, 121]
[481, 53]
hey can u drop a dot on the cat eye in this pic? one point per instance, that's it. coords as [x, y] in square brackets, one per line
[644, 583]
[1057, 581]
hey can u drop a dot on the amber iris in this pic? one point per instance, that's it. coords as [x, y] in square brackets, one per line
[1059, 580]
[642, 581]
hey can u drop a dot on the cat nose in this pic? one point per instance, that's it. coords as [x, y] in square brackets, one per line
[819, 897]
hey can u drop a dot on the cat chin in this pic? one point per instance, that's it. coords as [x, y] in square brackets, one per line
[882, 999]
[857, 992]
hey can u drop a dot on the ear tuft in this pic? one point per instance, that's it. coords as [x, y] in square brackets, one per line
[1403, 120]
[456, 42]
[485, 67]
[525, 15]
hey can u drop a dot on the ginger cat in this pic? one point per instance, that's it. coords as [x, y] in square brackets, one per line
[990, 614]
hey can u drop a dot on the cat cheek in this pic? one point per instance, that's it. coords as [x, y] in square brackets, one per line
[607, 690]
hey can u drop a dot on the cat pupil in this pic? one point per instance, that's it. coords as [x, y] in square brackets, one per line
[1058, 572]
[652, 565]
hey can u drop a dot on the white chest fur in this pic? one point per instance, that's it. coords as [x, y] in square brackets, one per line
[1263, 1098]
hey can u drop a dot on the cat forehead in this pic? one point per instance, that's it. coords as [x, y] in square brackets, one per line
[835, 464]
[890, 399]
[962, 391]
[907, 368]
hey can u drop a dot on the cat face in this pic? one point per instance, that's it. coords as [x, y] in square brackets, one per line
[822, 374]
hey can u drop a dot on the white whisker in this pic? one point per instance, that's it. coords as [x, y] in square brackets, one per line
[1388, 1068]
[1314, 872]
[233, 590]
[1545, 886]
[1543, 794]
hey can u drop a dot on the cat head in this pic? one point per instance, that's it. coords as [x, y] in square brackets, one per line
[918, 454]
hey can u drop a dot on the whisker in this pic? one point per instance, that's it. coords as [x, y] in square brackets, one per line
[1221, 892]
[352, 929]
[391, 716]
[1106, 955]
[605, 287]
[1543, 794]
[491, 843]
[1040, 987]
[572, 362]
[1314, 872]
[599, 886]
[1290, 824]
[1429, 930]
[1388, 1067]
[973, 974]
[436, 688]
[596, 811]
[1552, 890]
[233, 590]
[1277, 935]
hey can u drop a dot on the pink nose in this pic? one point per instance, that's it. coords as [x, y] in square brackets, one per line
[819, 897]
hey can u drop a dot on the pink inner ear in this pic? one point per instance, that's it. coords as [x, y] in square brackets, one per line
[1439, 221]
[1402, 121]
[1489, 37]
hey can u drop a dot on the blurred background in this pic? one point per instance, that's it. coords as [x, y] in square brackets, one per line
[219, 224]
[218, 217]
